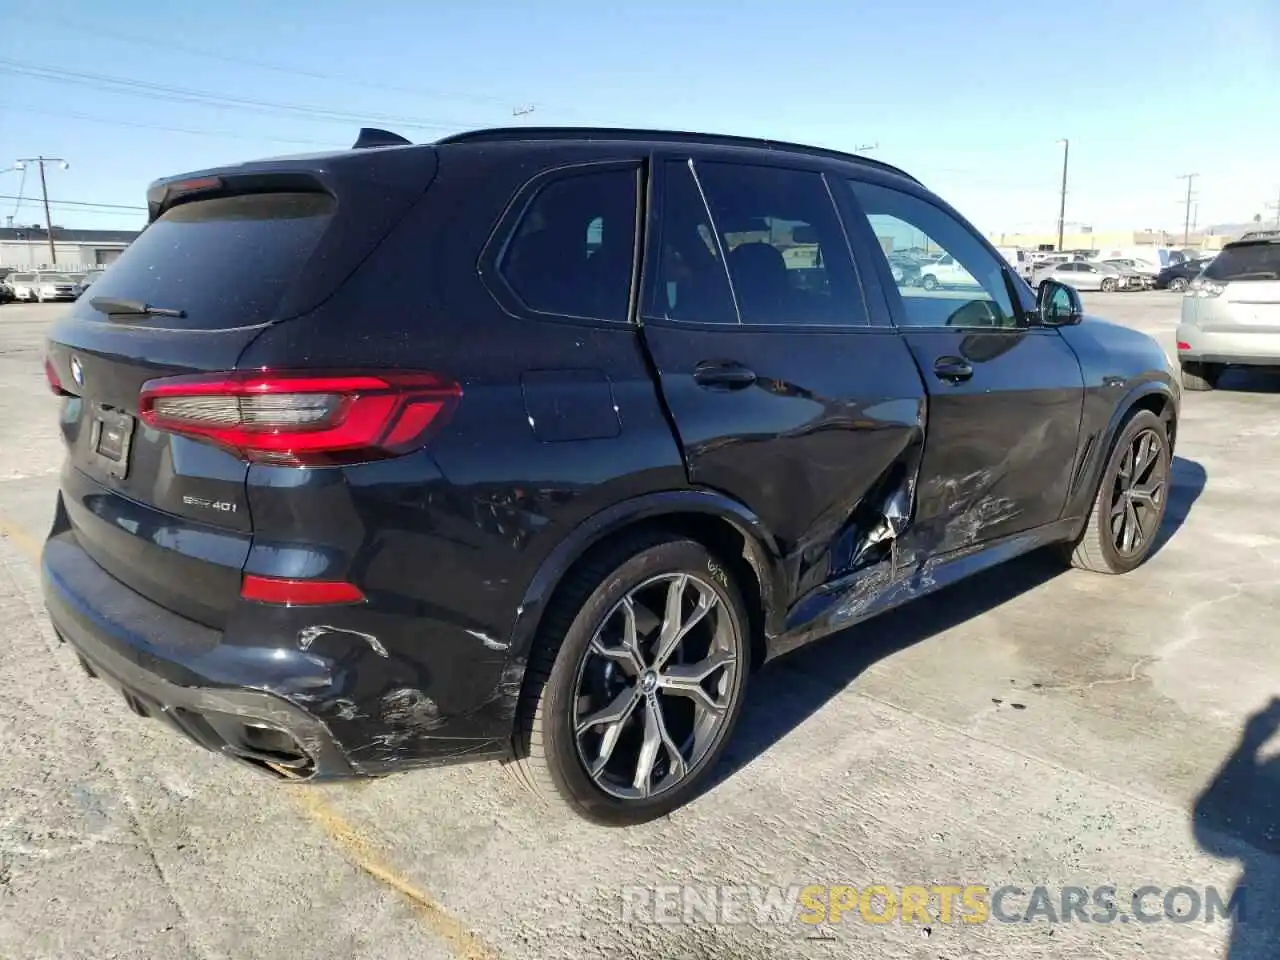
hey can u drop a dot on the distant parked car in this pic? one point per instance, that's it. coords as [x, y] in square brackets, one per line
[1089, 276]
[87, 281]
[905, 269]
[6, 292]
[945, 272]
[49, 287]
[1143, 268]
[1230, 313]
[23, 286]
[1178, 276]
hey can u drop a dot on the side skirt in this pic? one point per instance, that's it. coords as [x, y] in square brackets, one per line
[875, 589]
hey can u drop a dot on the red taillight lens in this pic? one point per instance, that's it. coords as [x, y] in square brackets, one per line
[51, 375]
[298, 592]
[1183, 345]
[302, 418]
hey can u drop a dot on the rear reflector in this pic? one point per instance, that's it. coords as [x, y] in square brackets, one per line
[298, 593]
[55, 384]
[305, 418]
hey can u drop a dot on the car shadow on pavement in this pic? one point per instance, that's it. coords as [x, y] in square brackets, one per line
[1188, 480]
[1237, 817]
[789, 690]
[1249, 380]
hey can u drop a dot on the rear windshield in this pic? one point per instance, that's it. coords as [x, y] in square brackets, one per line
[1247, 261]
[227, 262]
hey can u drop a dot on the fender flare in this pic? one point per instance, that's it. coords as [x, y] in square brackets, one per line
[761, 546]
[1123, 409]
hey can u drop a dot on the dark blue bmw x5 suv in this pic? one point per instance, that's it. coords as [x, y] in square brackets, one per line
[532, 444]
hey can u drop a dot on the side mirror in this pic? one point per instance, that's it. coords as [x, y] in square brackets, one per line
[1059, 305]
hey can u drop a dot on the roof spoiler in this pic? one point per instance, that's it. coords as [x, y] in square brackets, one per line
[373, 137]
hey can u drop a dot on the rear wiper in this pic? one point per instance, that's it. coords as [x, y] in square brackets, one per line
[110, 305]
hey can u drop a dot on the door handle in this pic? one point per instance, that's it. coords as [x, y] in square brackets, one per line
[725, 375]
[952, 369]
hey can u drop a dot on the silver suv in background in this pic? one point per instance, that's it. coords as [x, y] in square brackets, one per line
[1231, 311]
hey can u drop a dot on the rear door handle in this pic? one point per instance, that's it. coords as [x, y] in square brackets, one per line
[725, 375]
[952, 369]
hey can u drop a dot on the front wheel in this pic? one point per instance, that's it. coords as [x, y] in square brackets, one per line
[929, 282]
[1132, 497]
[636, 681]
[1178, 284]
[1108, 285]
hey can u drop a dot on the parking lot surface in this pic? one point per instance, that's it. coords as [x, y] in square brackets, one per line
[1031, 727]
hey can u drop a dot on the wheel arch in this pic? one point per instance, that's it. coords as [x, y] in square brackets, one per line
[722, 524]
[1155, 396]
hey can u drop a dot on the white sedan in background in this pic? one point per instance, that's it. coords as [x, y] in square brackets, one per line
[1089, 276]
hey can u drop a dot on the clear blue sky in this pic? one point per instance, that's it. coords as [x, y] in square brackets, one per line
[970, 95]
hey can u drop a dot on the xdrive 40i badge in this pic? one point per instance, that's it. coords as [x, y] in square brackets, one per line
[222, 506]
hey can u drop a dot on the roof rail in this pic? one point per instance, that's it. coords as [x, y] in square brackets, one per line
[495, 134]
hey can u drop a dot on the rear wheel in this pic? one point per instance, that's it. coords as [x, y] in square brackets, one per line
[636, 681]
[1200, 376]
[1178, 284]
[1132, 497]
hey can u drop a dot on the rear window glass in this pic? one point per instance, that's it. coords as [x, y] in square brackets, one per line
[1249, 261]
[227, 262]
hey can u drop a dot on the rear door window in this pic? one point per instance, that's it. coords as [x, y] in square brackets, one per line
[227, 262]
[785, 248]
[689, 279]
[573, 250]
[1248, 261]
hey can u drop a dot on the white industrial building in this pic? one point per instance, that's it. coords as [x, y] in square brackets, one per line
[28, 247]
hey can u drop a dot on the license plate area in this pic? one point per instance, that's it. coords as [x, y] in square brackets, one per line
[110, 438]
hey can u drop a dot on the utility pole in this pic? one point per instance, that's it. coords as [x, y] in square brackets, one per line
[1276, 207]
[21, 164]
[1186, 223]
[1062, 201]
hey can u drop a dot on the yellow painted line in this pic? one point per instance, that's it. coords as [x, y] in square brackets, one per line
[462, 943]
[25, 543]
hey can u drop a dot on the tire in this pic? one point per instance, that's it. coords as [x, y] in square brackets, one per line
[1109, 285]
[551, 760]
[929, 282]
[1099, 547]
[1200, 376]
[1178, 284]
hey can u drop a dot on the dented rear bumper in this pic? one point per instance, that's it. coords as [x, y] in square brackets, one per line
[288, 709]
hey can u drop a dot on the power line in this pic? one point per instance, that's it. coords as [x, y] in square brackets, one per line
[220, 134]
[22, 186]
[158, 91]
[76, 203]
[170, 45]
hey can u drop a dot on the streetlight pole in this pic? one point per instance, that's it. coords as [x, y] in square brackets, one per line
[44, 193]
[1062, 200]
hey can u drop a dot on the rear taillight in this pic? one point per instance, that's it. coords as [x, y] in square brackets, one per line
[55, 383]
[1205, 288]
[302, 418]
